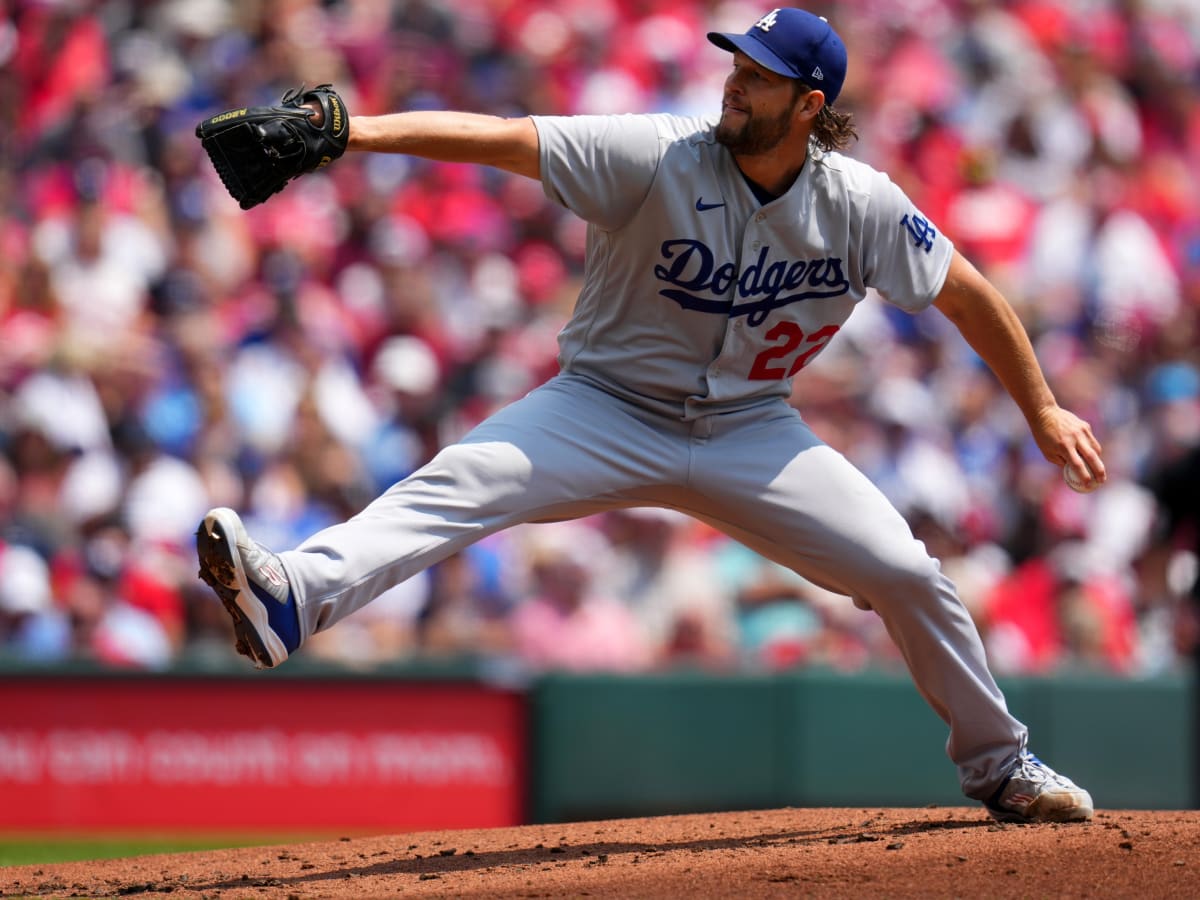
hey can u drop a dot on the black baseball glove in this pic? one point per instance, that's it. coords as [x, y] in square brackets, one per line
[257, 150]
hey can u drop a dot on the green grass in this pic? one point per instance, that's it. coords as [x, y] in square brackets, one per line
[30, 851]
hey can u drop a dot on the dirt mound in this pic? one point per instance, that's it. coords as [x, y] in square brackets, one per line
[768, 853]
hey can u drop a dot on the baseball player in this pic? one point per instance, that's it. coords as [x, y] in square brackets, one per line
[724, 253]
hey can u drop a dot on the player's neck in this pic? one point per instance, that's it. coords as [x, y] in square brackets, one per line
[769, 174]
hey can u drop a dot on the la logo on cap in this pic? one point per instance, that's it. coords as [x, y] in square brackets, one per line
[767, 22]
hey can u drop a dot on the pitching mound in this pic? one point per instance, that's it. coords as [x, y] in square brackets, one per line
[777, 853]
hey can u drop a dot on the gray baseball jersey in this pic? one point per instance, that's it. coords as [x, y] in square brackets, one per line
[699, 304]
[696, 298]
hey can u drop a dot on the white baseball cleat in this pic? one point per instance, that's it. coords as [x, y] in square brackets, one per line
[1033, 792]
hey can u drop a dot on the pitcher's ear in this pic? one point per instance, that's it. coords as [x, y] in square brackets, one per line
[812, 102]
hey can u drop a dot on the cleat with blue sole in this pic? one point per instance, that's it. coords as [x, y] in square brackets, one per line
[253, 587]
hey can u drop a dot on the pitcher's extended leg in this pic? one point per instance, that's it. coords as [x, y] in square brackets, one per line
[776, 487]
[565, 450]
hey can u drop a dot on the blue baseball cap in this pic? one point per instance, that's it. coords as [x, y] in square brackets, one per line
[793, 43]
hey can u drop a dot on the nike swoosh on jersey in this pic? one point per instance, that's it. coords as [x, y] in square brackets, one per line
[701, 206]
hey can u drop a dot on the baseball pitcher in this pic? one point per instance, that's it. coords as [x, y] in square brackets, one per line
[724, 253]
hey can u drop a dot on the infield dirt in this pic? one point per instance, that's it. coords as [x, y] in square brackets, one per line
[843, 853]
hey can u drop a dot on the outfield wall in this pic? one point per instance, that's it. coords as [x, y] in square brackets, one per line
[313, 750]
[687, 743]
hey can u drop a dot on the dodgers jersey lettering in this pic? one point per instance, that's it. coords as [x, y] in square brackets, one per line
[697, 299]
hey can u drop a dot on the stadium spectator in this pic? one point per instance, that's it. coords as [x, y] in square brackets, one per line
[564, 621]
[659, 565]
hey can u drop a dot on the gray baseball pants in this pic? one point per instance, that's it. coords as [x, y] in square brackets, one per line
[569, 449]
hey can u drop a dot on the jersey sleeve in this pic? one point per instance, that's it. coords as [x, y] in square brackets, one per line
[904, 255]
[599, 167]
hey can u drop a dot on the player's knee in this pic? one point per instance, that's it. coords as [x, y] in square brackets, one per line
[911, 577]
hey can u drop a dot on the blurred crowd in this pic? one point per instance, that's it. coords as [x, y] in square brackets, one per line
[162, 351]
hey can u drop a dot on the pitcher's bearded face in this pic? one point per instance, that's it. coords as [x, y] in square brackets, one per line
[747, 134]
[758, 107]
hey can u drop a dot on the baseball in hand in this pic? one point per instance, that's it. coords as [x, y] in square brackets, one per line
[1076, 483]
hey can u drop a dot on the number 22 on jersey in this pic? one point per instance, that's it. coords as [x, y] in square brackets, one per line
[786, 339]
